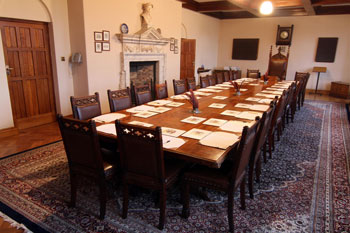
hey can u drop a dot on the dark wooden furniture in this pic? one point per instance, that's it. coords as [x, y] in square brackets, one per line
[85, 158]
[212, 80]
[340, 89]
[143, 164]
[253, 74]
[143, 94]
[162, 91]
[219, 77]
[226, 74]
[293, 105]
[228, 178]
[289, 103]
[86, 107]
[119, 99]
[204, 81]
[235, 74]
[305, 76]
[191, 84]
[278, 64]
[179, 86]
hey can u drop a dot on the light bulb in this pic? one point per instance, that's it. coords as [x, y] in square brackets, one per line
[266, 8]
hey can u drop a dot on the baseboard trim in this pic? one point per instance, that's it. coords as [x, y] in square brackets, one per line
[323, 92]
[8, 132]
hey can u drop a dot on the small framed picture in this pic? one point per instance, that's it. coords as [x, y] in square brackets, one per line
[176, 41]
[176, 50]
[172, 40]
[98, 36]
[98, 47]
[172, 47]
[105, 35]
[106, 46]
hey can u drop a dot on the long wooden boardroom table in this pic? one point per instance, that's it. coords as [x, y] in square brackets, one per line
[192, 150]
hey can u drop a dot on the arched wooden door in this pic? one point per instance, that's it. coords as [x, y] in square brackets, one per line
[29, 75]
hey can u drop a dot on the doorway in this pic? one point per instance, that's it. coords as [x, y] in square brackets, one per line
[188, 57]
[29, 73]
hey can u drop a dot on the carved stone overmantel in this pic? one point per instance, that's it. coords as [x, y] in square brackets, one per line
[145, 45]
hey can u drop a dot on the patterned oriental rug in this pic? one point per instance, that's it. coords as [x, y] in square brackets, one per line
[305, 187]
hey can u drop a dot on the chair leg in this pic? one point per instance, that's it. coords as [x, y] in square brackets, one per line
[185, 200]
[73, 190]
[264, 152]
[251, 180]
[230, 204]
[258, 170]
[242, 196]
[125, 200]
[270, 144]
[162, 208]
[103, 199]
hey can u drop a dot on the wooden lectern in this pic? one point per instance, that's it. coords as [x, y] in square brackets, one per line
[318, 70]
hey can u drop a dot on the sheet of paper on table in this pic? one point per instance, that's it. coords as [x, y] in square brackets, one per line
[274, 89]
[265, 101]
[220, 140]
[175, 104]
[242, 105]
[224, 85]
[196, 133]
[140, 123]
[179, 97]
[219, 97]
[172, 132]
[172, 142]
[109, 117]
[243, 89]
[249, 115]
[107, 128]
[235, 126]
[253, 99]
[254, 84]
[230, 113]
[214, 122]
[145, 114]
[202, 93]
[160, 109]
[193, 120]
[140, 108]
[208, 90]
[260, 107]
[216, 105]
[159, 102]
[217, 87]
[265, 95]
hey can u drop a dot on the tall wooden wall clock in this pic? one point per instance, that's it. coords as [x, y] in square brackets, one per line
[284, 35]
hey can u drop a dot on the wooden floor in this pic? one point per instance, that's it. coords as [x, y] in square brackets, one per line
[42, 135]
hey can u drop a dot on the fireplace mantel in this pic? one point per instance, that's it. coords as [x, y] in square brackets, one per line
[147, 45]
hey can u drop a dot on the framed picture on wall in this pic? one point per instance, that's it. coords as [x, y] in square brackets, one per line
[176, 50]
[98, 36]
[106, 46]
[172, 47]
[98, 47]
[106, 35]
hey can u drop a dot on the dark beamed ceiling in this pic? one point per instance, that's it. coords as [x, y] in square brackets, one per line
[235, 9]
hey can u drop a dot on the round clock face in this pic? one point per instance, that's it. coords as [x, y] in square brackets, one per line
[284, 35]
[124, 28]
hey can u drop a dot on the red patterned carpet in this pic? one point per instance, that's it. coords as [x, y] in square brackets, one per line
[305, 187]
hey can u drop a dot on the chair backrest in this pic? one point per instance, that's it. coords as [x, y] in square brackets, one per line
[119, 99]
[204, 81]
[245, 147]
[226, 75]
[162, 90]
[219, 77]
[291, 93]
[191, 84]
[82, 146]
[179, 86]
[141, 153]
[143, 94]
[86, 107]
[253, 73]
[279, 110]
[298, 89]
[300, 75]
[278, 64]
[212, 80]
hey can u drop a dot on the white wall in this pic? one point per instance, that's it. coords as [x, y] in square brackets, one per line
[47, 11]
[104, 68]
[307, 30]
[206, 31]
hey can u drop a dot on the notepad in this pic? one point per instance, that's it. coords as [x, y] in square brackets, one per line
[193, 120]
[216, 105]
[196, 133]
[145, 114]
[109, 117]
[220, 140]
[214, 122]
[172, 132]
[107, 128]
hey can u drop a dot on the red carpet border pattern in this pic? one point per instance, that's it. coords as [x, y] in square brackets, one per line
[305, 187]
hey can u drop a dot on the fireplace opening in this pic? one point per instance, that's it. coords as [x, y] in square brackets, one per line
[142, 73]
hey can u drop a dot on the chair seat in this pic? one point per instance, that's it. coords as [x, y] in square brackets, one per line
[172, 169]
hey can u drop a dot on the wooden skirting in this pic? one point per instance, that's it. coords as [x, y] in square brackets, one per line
[8, 132]
[323, 92]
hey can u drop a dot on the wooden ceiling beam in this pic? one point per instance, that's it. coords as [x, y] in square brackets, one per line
[217, 6]
[329, 2]
[308, 7]
[247, 5]
[190, 4]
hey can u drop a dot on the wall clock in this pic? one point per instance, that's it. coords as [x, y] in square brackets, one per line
[284, 35]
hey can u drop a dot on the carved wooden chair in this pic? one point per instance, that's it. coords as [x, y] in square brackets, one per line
[191, 84]
[293, 105]
[143, 94]
[253, 74]
[226, 75]
[86, 107]
[204, 81]
[230, 176]
[219, 77]
[260, 146]
[179, 86]
[278, 64]
[289, 102]
[162, 90]
[212, 80]
[85, 157]
[119, 99]
[143, 163]
[305, 77]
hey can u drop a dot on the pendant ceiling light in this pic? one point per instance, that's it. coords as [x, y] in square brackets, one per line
[266, 8]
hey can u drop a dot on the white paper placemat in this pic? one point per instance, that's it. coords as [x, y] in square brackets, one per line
[109, 117]
[193, 120]
[196, 133]
[172, 132]
[216, 105]
[107, 128]
[235, 126]
[220, 140]
[145, 114]
[172, 142]
[214, 122]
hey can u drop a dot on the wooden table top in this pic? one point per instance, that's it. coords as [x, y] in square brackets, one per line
[192, 150]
